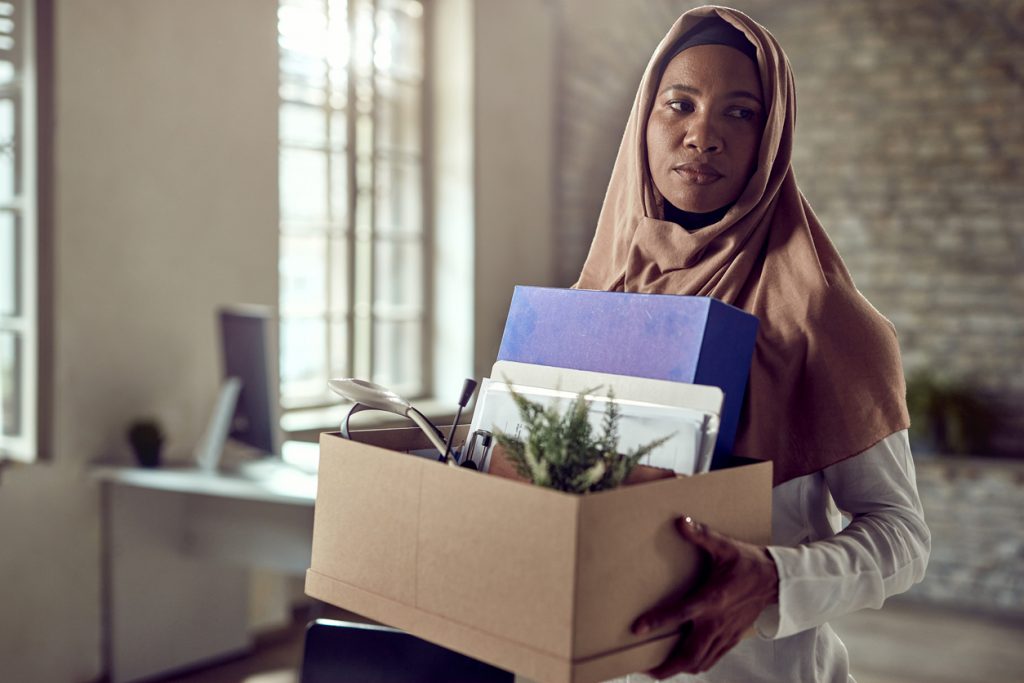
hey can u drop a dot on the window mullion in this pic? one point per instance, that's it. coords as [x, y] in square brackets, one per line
[351, 150]
[372, 260]
[329, 265]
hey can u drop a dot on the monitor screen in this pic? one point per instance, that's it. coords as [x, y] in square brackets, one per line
[247, 342]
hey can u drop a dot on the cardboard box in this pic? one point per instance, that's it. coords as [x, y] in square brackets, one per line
[535, 581]
[692, 339]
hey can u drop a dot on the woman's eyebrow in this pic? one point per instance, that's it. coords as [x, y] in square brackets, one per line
[744, 93]
[684, 88]
[695, 91]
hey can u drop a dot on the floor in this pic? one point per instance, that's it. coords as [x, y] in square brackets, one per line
[904, 643]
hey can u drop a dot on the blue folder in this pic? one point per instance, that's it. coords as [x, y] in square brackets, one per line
[698, 340]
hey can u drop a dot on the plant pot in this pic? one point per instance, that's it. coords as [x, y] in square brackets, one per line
[149, 456]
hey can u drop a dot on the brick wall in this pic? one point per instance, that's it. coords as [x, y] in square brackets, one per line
[973, 510]
[909, 146]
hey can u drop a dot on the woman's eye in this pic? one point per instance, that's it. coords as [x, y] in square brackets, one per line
[680, 105]
[741, 113]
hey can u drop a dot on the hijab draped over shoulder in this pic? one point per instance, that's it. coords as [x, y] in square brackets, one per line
[826, 381]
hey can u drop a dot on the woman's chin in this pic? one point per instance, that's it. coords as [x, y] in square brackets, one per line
[698, 205]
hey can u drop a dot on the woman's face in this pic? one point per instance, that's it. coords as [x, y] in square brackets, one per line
[705, 127]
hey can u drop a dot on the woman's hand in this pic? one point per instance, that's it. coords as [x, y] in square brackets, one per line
[739, 580]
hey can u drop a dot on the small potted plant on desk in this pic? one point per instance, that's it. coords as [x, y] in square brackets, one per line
[147, 440]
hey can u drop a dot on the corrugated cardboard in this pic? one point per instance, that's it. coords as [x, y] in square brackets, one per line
[539, 582]
[692, 339]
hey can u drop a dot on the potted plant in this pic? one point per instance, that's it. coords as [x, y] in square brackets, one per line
[947, 416]
[147, 439]
[563, 451]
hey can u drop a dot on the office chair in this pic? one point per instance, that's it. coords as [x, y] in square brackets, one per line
[345, 652]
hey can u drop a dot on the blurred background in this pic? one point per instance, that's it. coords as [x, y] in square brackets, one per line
[383, 172]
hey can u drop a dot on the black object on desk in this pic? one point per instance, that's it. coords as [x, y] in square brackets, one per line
[345, 652]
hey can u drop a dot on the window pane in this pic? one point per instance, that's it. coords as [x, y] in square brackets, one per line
[339, 130]
[303, 357]
[8, 168]
[303, 270]
[399, 121]
[399, 198]
[9, 271]
[302, 36]
[297, 92]
[339, 348]
[399, 42]
[8, 44]
[339, 192]
[303, 125]
[396, 356]
[362, 42]
[399, 274]
[337, 46]
[338, 274]
[10, 393]
[303, 185]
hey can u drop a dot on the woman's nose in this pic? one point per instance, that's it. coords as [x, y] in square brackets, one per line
[702, 137]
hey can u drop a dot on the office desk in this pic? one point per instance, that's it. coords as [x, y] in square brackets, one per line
[179, 544]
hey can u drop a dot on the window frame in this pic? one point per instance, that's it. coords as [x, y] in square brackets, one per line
[361, 313]
[31, 205]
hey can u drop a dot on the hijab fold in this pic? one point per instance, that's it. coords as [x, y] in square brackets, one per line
[826, 381]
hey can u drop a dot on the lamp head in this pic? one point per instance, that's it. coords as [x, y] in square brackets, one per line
[369, 394]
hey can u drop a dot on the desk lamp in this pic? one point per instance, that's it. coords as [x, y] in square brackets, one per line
[369, 396]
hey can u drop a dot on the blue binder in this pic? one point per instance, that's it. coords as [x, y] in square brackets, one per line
[698, 340]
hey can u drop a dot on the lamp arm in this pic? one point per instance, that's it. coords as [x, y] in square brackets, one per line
[432, 432]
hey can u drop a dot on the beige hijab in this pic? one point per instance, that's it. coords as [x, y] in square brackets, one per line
[826, 381]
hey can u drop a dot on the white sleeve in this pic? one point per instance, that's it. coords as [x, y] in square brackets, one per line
[883, 551]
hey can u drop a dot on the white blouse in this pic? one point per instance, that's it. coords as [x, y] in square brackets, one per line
[825, 570]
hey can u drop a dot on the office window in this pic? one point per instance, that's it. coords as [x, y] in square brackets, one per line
[18, 235]
[352, 234]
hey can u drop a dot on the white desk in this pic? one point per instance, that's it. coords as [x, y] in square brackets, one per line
[178, 547]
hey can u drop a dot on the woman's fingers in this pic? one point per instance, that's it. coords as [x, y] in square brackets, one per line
[697, 602]
[737, 580]
[660, 615]
[688, 653]
[703, 537]
[722, 644]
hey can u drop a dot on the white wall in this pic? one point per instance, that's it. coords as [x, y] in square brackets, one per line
[166, 206]
[166, 182]
[514, 107]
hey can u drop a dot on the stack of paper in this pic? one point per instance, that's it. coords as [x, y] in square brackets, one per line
[649, 409]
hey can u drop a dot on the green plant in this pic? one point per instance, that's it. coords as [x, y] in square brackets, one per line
[947, 416]
[561, 451]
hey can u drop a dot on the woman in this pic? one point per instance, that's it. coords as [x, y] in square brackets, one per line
[703, 201]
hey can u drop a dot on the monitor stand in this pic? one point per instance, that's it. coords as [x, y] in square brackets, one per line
[210, 447]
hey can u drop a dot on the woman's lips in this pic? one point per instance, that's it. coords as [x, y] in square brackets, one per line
[697, 173]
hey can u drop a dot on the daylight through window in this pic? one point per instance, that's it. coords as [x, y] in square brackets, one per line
[352, 261]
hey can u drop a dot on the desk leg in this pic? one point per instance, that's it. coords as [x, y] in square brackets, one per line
[166, 610]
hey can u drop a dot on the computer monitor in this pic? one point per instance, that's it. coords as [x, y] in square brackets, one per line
[246, 341]
[247, 409]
